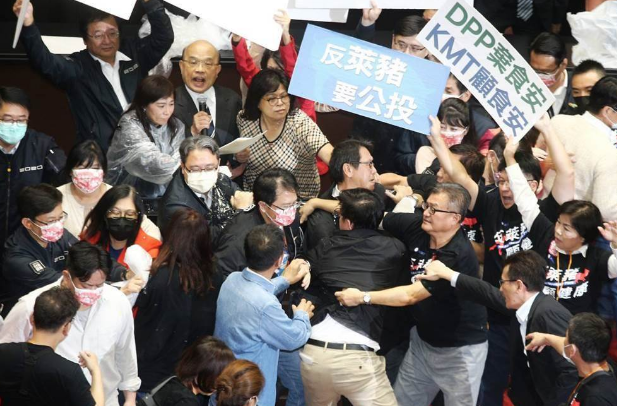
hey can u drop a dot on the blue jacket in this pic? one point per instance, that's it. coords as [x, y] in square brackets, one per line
[252, 322]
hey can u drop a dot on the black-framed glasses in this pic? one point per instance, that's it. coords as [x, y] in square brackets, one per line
[403, 47]
[433, 210]
[46, 223]
[128, 214]
[200, 170]
[273, 101]
[98, 36]
[370, 164]
[12, 121]
[194, 63]
[295, 205]
[503, 182]
[502, 281]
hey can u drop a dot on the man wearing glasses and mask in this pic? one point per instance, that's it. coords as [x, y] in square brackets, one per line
[203, 107]
[101, 80]
[36, 253]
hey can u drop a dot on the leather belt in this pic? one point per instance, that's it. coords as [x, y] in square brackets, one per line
[339, 346]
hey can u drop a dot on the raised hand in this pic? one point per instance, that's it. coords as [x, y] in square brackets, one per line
[370, 15]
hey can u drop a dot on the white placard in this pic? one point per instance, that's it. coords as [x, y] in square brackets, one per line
[488, 65]
[63, 45]
[385, 4]
[251, 19]
[328, 15]
[20, 21]
[119, 8]
[239, 144]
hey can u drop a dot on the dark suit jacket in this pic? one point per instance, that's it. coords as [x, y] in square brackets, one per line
[228, 104]
[549, 379]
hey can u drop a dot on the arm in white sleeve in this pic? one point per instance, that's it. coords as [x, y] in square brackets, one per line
[126, 354]
[612, 264]
[526, 201]
[17, 327]
[454, 279]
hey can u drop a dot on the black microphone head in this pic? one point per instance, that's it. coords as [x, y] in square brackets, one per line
[203, 105]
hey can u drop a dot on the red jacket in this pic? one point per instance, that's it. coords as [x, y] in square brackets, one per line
[148, 243]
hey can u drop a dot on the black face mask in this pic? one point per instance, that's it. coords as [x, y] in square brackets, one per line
[581, 102]
[121, 228]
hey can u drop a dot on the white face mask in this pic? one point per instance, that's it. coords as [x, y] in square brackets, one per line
[447, 96]
[201, 182]
[565, 356]
[613, 124]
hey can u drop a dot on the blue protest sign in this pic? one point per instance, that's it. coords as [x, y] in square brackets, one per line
[368, 79]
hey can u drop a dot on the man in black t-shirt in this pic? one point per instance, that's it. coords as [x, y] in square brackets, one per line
[586, 346]
[447, 349]
[32, 374]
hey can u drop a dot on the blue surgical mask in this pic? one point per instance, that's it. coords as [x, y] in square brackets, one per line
[12, 133]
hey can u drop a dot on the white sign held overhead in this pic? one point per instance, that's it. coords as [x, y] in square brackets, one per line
[20, 21]
[253, 20]
[385, 4]
[119, 8]
[63, 45]
[328, 15]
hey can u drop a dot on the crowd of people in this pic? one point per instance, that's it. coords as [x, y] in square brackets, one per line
[144, 267]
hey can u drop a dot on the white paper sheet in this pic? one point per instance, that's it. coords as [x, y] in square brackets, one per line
[253, 20]
[317, 14]
[239, 144]
[63, 45]
[20, 21]
[119, 8]
[394, 4]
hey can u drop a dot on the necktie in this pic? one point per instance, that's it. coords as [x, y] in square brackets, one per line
[524, 9]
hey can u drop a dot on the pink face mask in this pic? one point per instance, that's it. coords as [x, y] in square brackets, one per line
[87, 297]
[284, 217]
[87, 180]
[453, 137]
[51, 232]
[548, 79]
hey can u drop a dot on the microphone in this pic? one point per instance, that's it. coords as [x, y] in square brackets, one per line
[203, 106]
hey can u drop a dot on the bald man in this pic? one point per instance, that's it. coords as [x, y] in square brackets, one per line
[200, 67]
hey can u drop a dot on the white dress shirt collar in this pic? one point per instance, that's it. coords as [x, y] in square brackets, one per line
[112, 74]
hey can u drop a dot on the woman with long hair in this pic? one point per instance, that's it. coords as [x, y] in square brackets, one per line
[114, 223]
[178, 303]
[144, 150]
[239, 384]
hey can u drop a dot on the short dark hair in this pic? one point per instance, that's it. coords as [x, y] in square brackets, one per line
[584, 216]
[267, 184]
[347, 152]
[456, 113]
[38, 199]
[497, 144]
[459, 85]
[530, 166]
[54, 308]
[85, 259]
[458, 197]
[471, 159]
[95, 222]
[591, 335]
[589, 65]
[409, 26]
[149, 90]
[198, 143]
[14, 95]
[85, 153]
[263, 246]
[603, 93]
[266, 81]
[274, 55]
[529, 267]
[362, 207]
[91, 15]
[549, 44]
[202, 362]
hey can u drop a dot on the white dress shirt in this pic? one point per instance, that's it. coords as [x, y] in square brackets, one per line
[12, 151]
[522, 315]
[210, 96]
[596, 122]
[108, 332]
[112, 73]
[331, 331]
[560, 95]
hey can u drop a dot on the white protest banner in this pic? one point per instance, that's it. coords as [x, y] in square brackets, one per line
[63, 45]
[384, 4]
[334, 15]
[119, 8]
[20, 21]
[253, 20]
[485, 62]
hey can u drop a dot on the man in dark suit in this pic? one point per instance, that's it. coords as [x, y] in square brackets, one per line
[200, 67]
[544, 378]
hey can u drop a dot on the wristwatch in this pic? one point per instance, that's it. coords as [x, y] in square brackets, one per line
[366, 298]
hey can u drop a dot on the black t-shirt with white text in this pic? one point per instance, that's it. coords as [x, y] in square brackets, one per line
[443, 319]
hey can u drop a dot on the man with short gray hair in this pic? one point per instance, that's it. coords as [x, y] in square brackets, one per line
[199, 185]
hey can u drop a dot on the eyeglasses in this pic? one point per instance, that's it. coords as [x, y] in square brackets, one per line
[201, 170]
[98, 36]
[128, 214]
[46, 223]
[506, 183]
[295, 205]
[431, 209]
[273, 100]
[403, 47]
[547, 73]
[195, 63]
[11, 121]
[370, 164]
[502, 281]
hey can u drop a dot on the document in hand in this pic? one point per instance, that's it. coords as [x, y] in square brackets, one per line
[239, 144]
